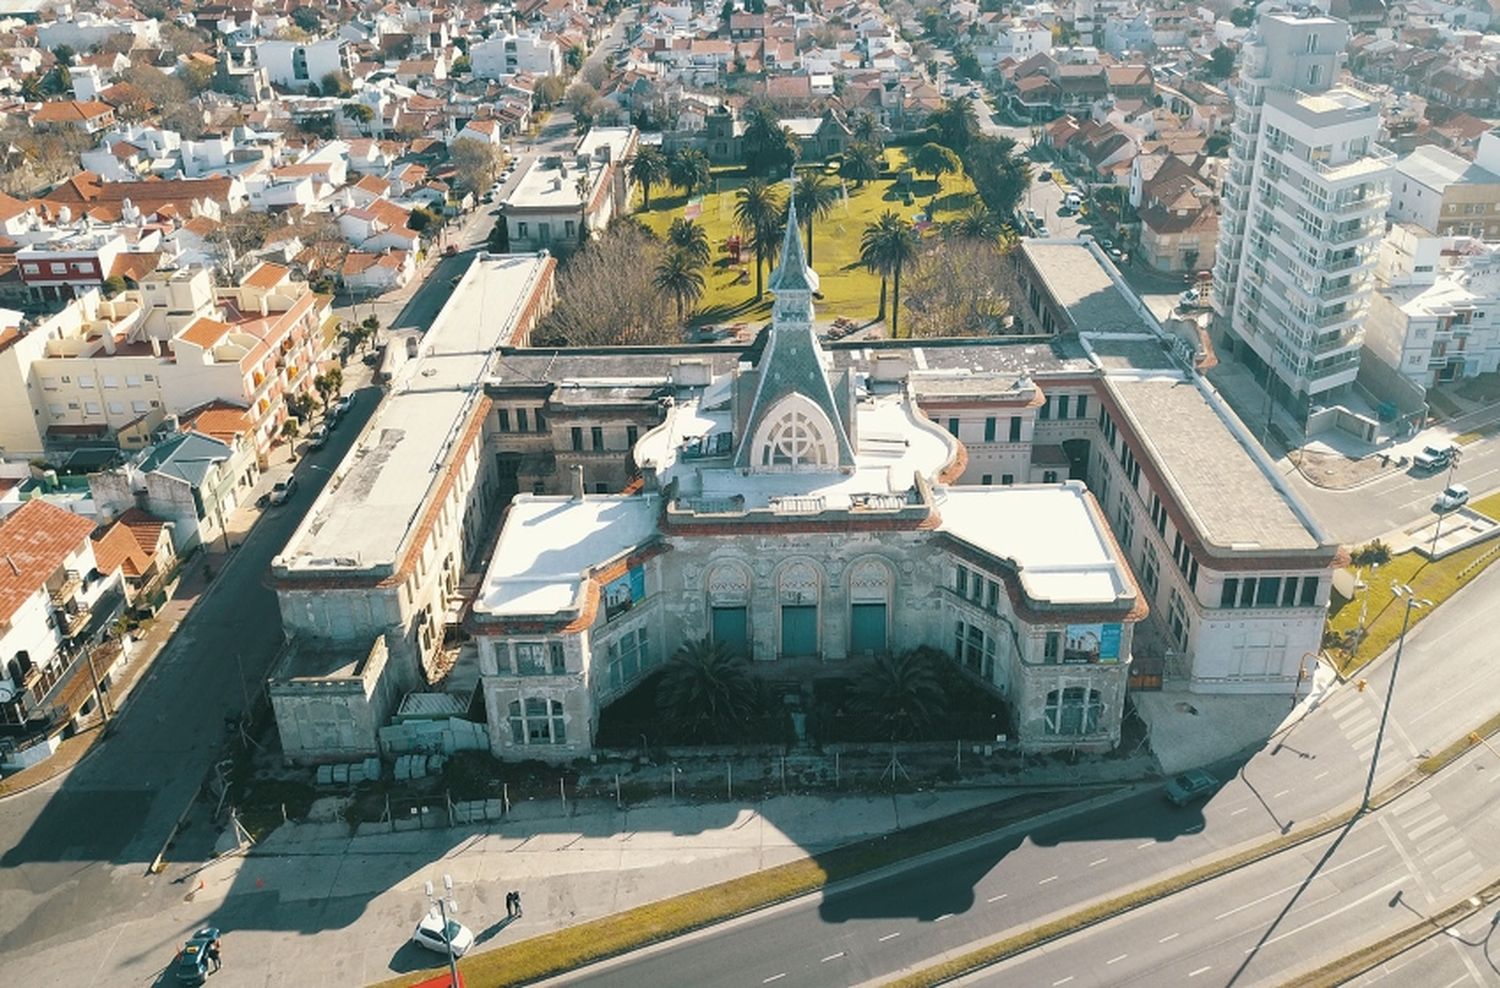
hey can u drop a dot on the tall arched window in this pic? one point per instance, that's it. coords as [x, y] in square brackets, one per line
[1073, 711]
[798, 588]
[870, 587]
[728, 588]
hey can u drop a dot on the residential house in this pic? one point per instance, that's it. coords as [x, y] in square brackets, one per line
[190, 480]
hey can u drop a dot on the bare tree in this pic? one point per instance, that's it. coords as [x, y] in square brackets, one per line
[957, 288]
[605, 294]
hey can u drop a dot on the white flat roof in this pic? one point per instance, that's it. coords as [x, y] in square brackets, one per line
[549, 542]
[365, 515]
[1059, 548]
[543, 187]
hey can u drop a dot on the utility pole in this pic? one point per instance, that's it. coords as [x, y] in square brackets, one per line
[445, 902]
[1454, 456]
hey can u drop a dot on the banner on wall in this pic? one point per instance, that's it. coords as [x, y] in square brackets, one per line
[622, 594]
[1092, 643]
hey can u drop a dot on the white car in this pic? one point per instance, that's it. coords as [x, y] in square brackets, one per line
[429, 934]
[1452, 497]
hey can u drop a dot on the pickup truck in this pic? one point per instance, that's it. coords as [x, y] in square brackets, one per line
[1433, 457]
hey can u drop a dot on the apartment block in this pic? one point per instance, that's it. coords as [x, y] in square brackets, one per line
[1302, 213]
[1447, 194]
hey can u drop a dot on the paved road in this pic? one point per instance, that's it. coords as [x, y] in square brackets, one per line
[1317, 765]
[77, 848]
[1295, 912]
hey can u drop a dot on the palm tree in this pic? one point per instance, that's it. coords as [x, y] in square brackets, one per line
[886, 247]
[678, 275]
[815, 198]
[866, 128]
[648, 167]
[690, 237]
[688, 169]
[978, 223]
[769, 148]
[954, 124]
[758, 212]
[707, 691]
[901, 694]
[861, 163]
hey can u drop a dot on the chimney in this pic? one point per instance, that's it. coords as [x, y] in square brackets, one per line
[577, 474]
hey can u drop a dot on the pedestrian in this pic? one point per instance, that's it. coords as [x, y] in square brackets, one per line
[518, 903]
[510, 905]
[213, 954]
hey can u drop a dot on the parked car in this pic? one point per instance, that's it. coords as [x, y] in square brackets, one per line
[1191, 786]
[1190, 299]
[283, 490]
[1434, 457]
[192, 959]
[1453, 496]
[450, 250]
[1044, 176]
[429, 934]
[1072, 200]
[343, 406]
[1041, 230]
[318, 437]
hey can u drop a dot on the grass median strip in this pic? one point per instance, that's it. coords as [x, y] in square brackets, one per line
[565, 950]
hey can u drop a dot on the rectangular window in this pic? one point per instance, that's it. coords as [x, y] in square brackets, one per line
[991, 595]
[596, 436]
[1062, 406]
[1247, 592]
[989, 429]
[987, 479]
[1082, 411]
[1052, 646]
[1015, 428]
[577, 438]
[504, 415]
[1289, 591]
[1229, 593]
[1268, 590]
[521, 232]
[953, 428]
[632, 434]
[531, 659]
[1309, 591]
[1007, 479]
[520, 420]
[867, 624]
[961, 582]
[555, 660]
[799, 629]
[539, 419]
[1046, 411]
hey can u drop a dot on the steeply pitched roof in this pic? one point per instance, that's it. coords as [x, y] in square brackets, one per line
[793, 274]
[116, 548]
[187, 456]
[34, 541]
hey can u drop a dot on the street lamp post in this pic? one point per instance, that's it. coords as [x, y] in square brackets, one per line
[1453, 458]
[1412, 602]
[444, 903]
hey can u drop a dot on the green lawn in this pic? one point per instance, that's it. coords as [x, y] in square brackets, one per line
[1434, 581]
[848, 289]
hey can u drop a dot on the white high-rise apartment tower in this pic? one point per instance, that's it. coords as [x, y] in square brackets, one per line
[1303, 211]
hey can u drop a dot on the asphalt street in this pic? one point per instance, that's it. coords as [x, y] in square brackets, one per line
[1317, 765]
[77, 848]
[1297, 911]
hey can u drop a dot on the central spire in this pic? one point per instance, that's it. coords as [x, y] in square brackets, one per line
[792, 273]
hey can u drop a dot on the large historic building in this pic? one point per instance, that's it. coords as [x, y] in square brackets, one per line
[1069, 515]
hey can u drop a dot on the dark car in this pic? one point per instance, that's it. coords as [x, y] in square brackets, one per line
[192, 960]
[1044, 176]
[1191, 786]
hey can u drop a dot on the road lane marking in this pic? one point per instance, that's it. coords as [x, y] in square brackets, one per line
[1116, 960]
[1169, 936]
[774, 977]
[1142, 847]
[1327, 916]
[997, 898]
[943, 917]
[1325, 873]
[1194, 974]
[1046, 880]
[1239, 811]
[1062, 981]
[1320, 775]
[1280, 794]
[1095, 864]
[831, 957]
[889, 936]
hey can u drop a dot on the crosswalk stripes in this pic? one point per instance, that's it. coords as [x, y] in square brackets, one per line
[1422, 825]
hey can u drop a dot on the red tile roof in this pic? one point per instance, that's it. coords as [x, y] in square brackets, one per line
[116, 548]
[34, 541]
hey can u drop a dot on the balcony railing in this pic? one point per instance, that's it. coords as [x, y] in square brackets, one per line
[1363, 204]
